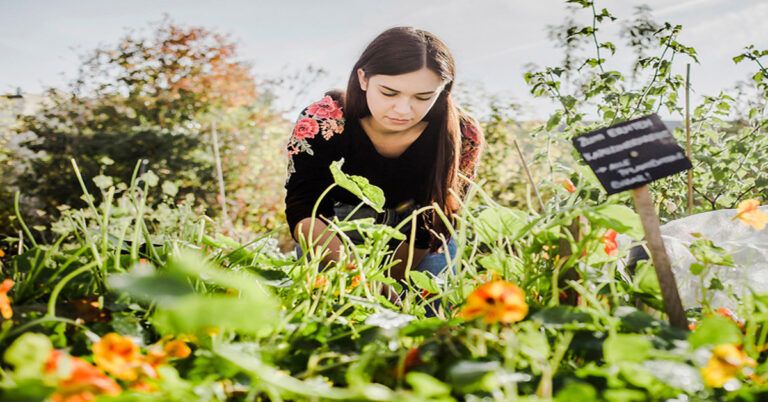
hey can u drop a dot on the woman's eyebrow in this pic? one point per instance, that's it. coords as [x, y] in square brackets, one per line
[394, 90]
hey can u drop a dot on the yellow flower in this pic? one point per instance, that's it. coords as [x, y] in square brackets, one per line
[119, 356]
[497, 301]
[5, 302]
[726, 363]
[748, 213]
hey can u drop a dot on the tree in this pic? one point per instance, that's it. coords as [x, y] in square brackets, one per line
[149, 98]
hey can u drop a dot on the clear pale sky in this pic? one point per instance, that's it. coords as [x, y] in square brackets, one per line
[492, 40]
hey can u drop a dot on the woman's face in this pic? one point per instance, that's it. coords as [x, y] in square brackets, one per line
[399, 102]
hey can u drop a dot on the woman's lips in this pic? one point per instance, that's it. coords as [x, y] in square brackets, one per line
[396, 121]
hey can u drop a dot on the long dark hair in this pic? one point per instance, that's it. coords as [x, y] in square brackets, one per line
[402, 50]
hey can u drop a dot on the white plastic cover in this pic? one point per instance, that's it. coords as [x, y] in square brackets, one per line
[749, 248]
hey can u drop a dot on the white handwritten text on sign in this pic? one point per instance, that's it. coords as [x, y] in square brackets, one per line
[632, 153]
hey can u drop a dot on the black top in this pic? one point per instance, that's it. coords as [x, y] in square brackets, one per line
[321, 135]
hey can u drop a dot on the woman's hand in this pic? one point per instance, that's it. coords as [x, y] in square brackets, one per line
[401, 253]
[319, 227]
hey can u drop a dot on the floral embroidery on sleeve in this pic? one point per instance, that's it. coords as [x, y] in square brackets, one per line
[471, 141]
[323, 117]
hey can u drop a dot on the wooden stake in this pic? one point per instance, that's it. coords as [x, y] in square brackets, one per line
[688, 146]
[672, 304]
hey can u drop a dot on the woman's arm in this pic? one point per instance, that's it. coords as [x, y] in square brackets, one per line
[397, 272]
[401, 253]
[335, 245]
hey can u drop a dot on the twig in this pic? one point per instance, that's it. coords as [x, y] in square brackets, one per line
[688, 146]
[220, 177]
[528, 173]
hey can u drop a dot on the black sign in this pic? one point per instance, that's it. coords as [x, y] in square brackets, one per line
[632, 153]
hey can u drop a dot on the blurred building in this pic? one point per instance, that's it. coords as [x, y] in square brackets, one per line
[18, 103]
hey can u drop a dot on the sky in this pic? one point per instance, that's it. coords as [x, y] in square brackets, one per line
[491, 40]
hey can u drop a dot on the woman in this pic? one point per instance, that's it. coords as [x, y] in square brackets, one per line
[396, 124]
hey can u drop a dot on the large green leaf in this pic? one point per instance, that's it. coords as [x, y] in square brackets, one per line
[427, 386]
[469, 376]
[246, 307]
[576, 391]
[199, 313]
[497, 222]
[619, 218]
[423, 281]
[715, 330]
[27, 354]
[564, 317]
[620, 348]
[151, 287]
[359, 186]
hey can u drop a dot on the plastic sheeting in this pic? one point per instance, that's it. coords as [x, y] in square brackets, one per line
[749, 248]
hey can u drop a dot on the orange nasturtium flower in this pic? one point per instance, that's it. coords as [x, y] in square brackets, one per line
[567, 185]
[160, 352]
[748, 213]
[177, 349]
[727, 313]
[355, 282]
[497, 301]
[81, 381]
[5, 302]
[320, 281]
[119, 356]
[609, 242]
[726, 363]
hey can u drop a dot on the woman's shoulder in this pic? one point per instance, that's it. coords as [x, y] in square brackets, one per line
[470, 129]
[321, 121]
[324, 116]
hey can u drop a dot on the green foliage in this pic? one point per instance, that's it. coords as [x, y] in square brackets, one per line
[715, 330]
[124, 107]
[27, 355]
[359, 186]
[133, 256]
[729, 152]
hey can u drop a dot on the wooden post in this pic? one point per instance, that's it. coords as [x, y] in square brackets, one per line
[672, 304]
[688, 146]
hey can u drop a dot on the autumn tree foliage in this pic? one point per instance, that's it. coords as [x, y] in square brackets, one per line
[172, 77]
[155, 98]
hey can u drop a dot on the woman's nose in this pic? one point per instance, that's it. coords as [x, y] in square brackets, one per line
[403, 107]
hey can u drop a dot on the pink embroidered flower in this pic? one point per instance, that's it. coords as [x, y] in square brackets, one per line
[306, 128]
[330, 127]
[467, 160]
[325, 108]
[470, 131]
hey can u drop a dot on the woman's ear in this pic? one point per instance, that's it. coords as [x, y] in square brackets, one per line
[363, 80]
